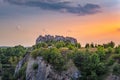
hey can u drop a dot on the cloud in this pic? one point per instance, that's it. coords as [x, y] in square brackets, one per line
[56, 5]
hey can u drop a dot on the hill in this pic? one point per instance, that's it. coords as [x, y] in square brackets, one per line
[61, 60]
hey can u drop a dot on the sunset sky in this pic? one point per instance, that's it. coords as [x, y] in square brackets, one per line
[22, 21]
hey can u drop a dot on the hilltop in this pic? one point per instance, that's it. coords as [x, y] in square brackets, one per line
[61, 58]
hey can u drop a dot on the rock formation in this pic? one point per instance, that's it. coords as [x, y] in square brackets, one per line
[55, 38]
[45, 71]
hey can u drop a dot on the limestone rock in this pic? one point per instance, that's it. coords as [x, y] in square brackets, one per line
[55, 38]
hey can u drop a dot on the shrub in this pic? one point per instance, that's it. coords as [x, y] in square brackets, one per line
[117, 50]
[60, 44]
[116, 69]
[110, 50]
[110, 62]
[87, 45]
[42, 44]
[35, 53]
[22, 72]
[70, 47]
[101, 53]
[35, 66]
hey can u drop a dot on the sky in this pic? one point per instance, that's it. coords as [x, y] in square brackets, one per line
[22, 21]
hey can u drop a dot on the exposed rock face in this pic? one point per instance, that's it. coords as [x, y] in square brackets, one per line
[46, 72]
[21, 62]
[38, 74]
[55, 38]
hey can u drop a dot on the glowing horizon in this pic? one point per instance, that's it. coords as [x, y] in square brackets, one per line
[23, 24]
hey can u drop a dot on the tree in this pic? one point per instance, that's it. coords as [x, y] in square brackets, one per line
[101, 52]
[117, 50]
[92, 45]
[112, 44]
[116, 69]
[87, 45]
[60, 44]
[78, 45]
[40, 45]
[110, 50]
[35, 53]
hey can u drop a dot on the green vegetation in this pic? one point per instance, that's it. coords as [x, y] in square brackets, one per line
[116, 69]
[94, 61]
[9, 57]
[35, 66]
[21, 73]
[51, 55]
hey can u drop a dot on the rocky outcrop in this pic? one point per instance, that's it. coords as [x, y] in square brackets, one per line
[21, 62]
[55, 38]
[45, 71]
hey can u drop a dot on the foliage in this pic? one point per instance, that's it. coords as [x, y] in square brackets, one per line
[110, 50]
[117, 50]
[92, 45]
[110, 61]
[101, 52]
[110, 44]
[42, 44]
[71, 47]
[35, 53]
[60, 44]
[22, 72]
[87, 45]
[78, 45]
[9, 57]
[116, 69]
[90, 65]
[35, 66]
[51, 55]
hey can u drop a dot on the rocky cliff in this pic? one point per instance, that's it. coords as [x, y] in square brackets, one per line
[55, 38]
[45, 71]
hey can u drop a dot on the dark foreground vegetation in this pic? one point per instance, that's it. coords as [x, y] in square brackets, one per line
[93, 61]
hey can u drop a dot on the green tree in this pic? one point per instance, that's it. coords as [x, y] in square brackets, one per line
[117, 49]
[60, 44]
[116, 69]
[111, 44]
[101, 52]
[87, 45]
[92, 45]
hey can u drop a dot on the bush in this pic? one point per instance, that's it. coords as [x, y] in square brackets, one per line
[70, 47]
[87, 45]
[35, 53]
[35, 66]
[101, 69]
[42, 44]
[110, 62]
[93, 76]
[60, 44]
[22, 72]
[101, 53]
[116, 69]
[117, 50]
[110, 50]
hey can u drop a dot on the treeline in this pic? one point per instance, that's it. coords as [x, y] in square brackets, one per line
[93, 64]
[107, 45]
[9, 57]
